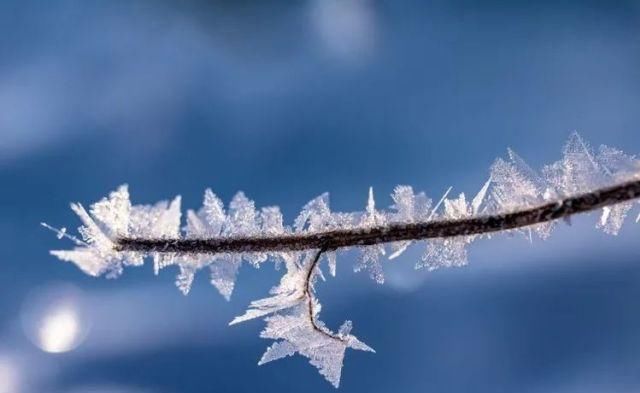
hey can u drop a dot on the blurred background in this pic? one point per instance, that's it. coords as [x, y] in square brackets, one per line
[286, 100]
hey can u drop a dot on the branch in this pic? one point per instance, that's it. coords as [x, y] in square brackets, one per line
[310, 298]
[335, 239]
[116, 234]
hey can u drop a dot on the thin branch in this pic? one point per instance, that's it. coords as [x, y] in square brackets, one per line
[335, 239]
[308, 294]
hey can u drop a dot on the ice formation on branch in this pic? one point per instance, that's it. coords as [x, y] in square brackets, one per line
[292, 310]
[292, 320]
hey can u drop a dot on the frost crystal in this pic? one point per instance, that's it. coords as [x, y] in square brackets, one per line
[581, 169]
[291, 321]
[289, 293]
[617, 166]
[515, 186]
[409, 208]
[450, 251]
[160, 221]
[292, 309]
[578, 171]
[370, 256]
[315, 215]
[109, 218]
[296, 334]
[331, 262]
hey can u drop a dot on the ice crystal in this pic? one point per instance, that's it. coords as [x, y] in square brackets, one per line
[448, 252]
[289, 293]
[370, 255]
[331, 261]
[515, 186]
[109, 218]
[617, 166]
[291, 311]
[581, 169]
[296, 334]
[291, 315]
[409, 208]
[242, 220]
[578, 171]
[315, 216]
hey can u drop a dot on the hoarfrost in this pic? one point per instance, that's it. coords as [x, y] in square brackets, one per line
[409, 208]
[291, 311]
[370, 255]
[296, 334]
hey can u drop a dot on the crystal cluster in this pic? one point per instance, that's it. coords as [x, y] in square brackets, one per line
[291, 312]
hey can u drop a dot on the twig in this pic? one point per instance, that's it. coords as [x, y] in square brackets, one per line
[308, 294]
[335, 239]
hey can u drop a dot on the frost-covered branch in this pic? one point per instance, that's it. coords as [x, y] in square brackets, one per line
[310, 297]
[515, 199]
[336, 239]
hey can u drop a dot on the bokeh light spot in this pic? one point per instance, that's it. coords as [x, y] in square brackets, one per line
[59, 331]
[56, 319]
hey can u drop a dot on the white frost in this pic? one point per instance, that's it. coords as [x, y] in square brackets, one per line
[291, 311]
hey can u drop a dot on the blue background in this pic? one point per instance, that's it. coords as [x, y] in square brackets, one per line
[284, 101]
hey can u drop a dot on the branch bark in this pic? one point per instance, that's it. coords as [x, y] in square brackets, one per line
[335, 239]
[310, 297]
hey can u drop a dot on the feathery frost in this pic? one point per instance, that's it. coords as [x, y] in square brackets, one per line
[291, 312]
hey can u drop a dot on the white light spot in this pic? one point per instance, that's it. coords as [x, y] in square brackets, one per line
[59, 331]
[55, 319]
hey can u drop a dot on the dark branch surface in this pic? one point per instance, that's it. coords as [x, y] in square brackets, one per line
[308, 293]
[336, 239]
